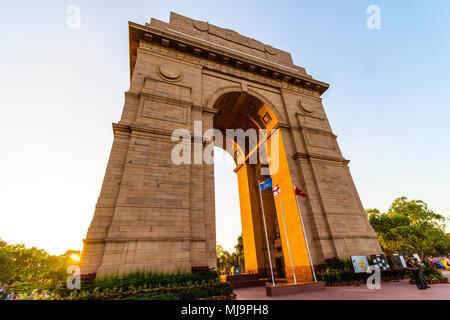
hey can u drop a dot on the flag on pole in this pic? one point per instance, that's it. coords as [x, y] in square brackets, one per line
[266, 184]
[276, 190]
[299, 192]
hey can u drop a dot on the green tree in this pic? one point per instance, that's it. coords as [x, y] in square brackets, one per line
[410, 226]
[223, 258]
[18, 263]
[239, 252]
[6, 265]
[227, 260]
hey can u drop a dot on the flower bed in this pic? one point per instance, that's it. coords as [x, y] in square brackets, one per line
[200, 284]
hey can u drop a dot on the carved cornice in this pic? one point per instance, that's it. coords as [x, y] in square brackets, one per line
[190, 45]
[310, 129]
[159, 239]
[132, 94]
[303, 155]
[203, 109]
[305, 114]
[128, 128]
[315, 130]
[119, 127]
[284, 126]
[331, 237]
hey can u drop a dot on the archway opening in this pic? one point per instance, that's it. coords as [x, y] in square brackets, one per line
[240, 113]
[228, 215]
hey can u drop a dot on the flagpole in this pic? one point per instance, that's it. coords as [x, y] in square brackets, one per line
[287, 239]
[267, 238]
[306, 240]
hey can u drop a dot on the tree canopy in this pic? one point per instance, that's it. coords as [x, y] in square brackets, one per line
[410, 226]
[227, 260]
[18, 263]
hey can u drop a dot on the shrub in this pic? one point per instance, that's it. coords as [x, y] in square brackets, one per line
[203, 283]
[335, 270]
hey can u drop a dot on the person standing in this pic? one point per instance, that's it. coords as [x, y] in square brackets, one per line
[414, 272]
[420, 274]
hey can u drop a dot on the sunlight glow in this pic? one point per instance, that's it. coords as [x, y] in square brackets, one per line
[75, 257]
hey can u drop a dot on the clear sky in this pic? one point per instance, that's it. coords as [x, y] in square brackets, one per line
[61, 89]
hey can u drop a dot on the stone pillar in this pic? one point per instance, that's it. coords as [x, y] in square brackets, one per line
[295, 254]
[94, 244]
[251, 218]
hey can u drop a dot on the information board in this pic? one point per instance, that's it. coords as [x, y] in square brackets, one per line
[381, 261]
[397, 261]
[360, 263]
[237, 270]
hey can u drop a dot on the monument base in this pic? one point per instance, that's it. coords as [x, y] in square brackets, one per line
[286, 289]
[244, 280]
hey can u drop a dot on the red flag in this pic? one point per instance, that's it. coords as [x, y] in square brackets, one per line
[276, 190]
[299, 192]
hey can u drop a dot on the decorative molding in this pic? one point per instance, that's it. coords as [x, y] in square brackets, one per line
[128, 128]
[229, 56]
[200, 25]
[331, 237]
[94, 241]
[158, 239]
[131, 94]
[315, 130]
[284, 126]
[140, 128]
[301, 107]
[170, 72]
[118, 127]
[310, 116]
[204, 109]
[303, 155]
[269, 50]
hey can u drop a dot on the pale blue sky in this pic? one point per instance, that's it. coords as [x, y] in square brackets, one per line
[61, 90]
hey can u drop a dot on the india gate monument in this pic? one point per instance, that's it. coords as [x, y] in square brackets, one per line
[154, 214]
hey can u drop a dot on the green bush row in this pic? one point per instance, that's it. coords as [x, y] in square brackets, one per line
[341, 271]
[331, 276]
[191, 292]
[137, 285]
[431, 274]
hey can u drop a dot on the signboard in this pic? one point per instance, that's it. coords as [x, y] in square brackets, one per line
[360, 263]
[398, 261]
[237, 270]
[381, 261]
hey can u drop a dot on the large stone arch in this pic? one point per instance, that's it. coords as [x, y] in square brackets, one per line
[153, 214]
[212, 99]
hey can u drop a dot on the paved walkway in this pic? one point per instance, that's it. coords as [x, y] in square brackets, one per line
[401, 290]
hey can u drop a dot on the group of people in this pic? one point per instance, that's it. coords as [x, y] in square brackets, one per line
[416, 270]
[440, 263]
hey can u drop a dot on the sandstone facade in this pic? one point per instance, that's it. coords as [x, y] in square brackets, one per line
[153, 214]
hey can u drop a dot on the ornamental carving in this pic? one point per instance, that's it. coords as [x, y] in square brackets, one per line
[170, 72]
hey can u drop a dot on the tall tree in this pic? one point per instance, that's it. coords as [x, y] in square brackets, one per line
[239, 251]
[410, 226]
[227, 260]
[18, 263]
